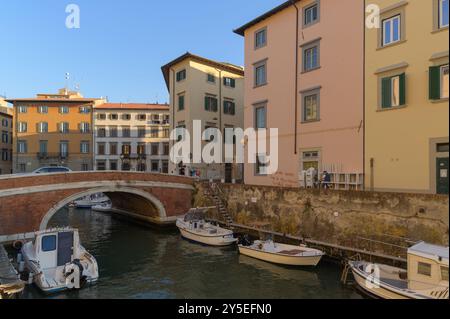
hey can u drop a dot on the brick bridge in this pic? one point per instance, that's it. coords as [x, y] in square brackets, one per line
[27, 202]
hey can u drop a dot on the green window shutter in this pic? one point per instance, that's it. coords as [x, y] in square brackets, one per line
[206, 103]
[435, 83]
[214, 105]
[402, 89]
[386, 93]
[233, 108]
[233, 83]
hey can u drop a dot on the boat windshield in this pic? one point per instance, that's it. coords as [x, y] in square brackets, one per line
[195, 214]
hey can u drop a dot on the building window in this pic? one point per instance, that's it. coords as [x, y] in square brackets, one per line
[443, 13]
[126, 117]
[5, 137]
[261, 165]
[166, 133]
[85, 109]
[42, 109]
[311, 57]
[211, 78]
[84, 167]
[166, 119]
[84, 147]
[4, 122]
[442, 148]
[101, 149]
[141, 131]
[155, 166]
[64, 127]
[439, 82]
[141, 117]
[42, 127]
[22, 127]
[391, 30]
[165, 167]
[113, 117]
[101, 132]
[126, 149]
[85, 127]
[101, 116]
[155, 149]
[112, 148]
[113, 132]
[311, 15]
[210, 133]
[260, 70]
[444, 273]
[180, 102]
[22, 147]
[260, 117]
[260, 38]
[154, 133]
[210, 103]
[229, 82]
[141, 167]
[141, 149]
[166, 149]
[229, 107]
[4, 155]
[311, 107]
[22, 109]
[113, 165]
[181, 75]
[64, 109]
[424, 269]
[126, 131]
[43, 148]
[180, 132]
[101, 166]
[393, 92]
[64, 149]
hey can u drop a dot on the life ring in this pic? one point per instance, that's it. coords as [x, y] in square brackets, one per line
[18, 244]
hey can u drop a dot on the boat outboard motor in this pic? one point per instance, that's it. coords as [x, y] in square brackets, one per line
[245, 241]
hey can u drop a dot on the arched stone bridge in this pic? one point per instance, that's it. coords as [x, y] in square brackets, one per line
[27, 202]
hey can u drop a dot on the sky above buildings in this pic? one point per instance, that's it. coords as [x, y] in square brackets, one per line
[120, 46]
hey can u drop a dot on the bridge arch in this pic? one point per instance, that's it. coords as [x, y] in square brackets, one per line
[111, 192]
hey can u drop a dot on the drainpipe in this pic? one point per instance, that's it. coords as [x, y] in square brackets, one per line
[294, 3]
[173, 108]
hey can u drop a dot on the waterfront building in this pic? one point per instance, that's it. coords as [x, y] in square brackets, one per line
[406, 104]
[132, 137]
[53, 130]
[304, 76]
[6, 142]
[209, 91]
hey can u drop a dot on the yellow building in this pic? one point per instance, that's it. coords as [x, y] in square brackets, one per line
[209, 91]
[53, 130]
[6, 127]
[406, 98]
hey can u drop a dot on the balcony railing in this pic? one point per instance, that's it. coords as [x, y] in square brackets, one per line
[48, 156]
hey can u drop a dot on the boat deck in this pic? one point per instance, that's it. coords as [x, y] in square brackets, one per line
[10, 282]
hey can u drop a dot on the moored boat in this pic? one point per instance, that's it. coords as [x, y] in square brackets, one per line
[426, 276]
[194, 227]
[283, 254]
[56, 261]
[90, 201]
[102, 207]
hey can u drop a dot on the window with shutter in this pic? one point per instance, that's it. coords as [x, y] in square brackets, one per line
[393, 91]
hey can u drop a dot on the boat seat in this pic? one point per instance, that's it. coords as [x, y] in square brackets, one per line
[291, 252]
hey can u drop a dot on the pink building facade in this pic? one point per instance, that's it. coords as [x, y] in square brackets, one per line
[304, 76]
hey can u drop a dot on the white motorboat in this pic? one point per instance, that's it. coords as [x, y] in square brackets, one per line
[281, 253]
[102, 207]
[90, 201]
[425, 278]
[56, 261]
[194, 227]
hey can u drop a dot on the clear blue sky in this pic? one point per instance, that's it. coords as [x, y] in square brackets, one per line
[120, 47]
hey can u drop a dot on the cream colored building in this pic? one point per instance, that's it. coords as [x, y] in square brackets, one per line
[406, 98]
[6, 142]
[209, 91]
[132, 137]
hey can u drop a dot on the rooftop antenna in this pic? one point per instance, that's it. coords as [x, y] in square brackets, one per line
[67, 81]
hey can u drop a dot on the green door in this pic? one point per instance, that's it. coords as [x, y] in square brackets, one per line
[442, 175]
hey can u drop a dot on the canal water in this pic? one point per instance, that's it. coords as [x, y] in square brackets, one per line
[154, 263]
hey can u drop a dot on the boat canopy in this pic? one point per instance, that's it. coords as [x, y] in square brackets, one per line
[195, 214]
[434, 252]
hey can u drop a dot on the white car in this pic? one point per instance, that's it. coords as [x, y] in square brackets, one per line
[52, 169]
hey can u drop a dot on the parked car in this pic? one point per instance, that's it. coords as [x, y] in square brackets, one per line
[52, 169]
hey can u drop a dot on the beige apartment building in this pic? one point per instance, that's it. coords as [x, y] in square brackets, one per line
[6, 142]
[53, 130]
[209, 91]
[132, 137]
[304, 76]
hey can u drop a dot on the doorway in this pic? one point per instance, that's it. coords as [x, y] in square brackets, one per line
[228, 173]
[442, 175]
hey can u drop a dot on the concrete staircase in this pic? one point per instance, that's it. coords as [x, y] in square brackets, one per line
[213, 191]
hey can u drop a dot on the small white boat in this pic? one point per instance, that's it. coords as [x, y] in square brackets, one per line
[194, 227]
[425, 278]
[56, 261]
[281, 253]
[90, 201]
[103, 207]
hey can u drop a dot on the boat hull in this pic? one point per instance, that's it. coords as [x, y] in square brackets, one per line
[280, 259]
[208, 240]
